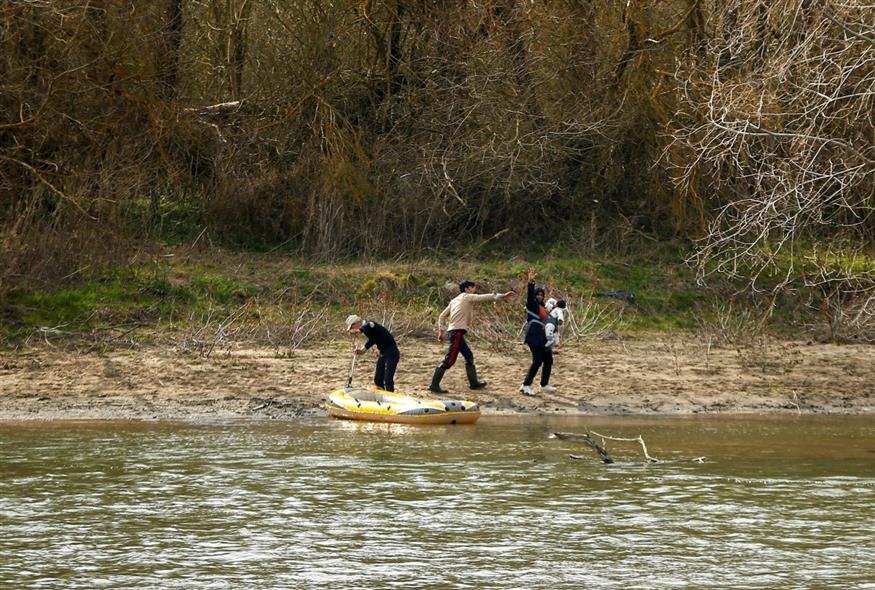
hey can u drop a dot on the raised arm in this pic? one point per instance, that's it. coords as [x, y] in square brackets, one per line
[531, 302]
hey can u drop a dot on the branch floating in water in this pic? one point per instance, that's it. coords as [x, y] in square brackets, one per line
[587, 439]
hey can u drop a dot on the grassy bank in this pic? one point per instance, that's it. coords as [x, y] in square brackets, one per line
[215, 297]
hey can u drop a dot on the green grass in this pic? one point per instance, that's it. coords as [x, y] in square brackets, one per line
[73, 309]
[221, 289]
[273, 284]
[806, 259]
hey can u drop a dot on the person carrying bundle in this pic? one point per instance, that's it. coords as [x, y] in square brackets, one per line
[538, 323]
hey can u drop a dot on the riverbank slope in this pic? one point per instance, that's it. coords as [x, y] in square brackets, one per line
[658, 374]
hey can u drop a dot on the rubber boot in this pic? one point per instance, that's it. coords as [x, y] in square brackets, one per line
[472, 378]
[435, 386]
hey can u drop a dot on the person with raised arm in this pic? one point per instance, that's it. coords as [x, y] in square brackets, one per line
[536, 338]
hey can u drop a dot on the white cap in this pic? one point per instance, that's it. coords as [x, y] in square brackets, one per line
[353, 319]
[550, 304]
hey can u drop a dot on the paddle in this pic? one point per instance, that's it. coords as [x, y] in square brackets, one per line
[352, 368]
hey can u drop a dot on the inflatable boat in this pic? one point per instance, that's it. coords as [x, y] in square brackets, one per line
[376, 405]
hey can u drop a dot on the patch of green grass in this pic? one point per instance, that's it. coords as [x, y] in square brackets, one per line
[184, 286]
[577, 273]
[222, 289]
[664, 289]
[72, 309]
[163, 288]
[802, 260]
[170, 219]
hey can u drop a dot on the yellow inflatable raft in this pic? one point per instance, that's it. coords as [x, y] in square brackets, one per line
[376, 405]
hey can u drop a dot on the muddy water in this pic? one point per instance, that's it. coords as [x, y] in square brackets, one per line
[780, 502]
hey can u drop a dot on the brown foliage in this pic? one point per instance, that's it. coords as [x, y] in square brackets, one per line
[383, 126]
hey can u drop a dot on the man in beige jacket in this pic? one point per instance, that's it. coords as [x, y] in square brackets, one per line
[460, 313]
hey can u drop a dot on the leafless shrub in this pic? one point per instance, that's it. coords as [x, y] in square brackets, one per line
[214, 330]
[726, 323]
[844, 297]
[219, 330]
[501, 326]
[294, 325]
[588, 320]
[408, 321]
[766, 355]
[744, 326]
[849, 317]
[306, 324]
[775, 131]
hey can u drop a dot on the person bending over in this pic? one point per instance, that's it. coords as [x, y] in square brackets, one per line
[387, 361]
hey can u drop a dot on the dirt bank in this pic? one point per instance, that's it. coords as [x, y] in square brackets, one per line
[659, 375]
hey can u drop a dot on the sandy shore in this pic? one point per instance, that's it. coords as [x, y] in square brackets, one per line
[660, 375]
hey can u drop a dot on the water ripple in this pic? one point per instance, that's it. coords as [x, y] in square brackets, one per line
[320, 503]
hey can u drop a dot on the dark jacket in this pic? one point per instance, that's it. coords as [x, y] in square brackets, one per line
[535, 335]
[380, 336]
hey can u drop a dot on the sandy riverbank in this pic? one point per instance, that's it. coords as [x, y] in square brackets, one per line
[658, 375]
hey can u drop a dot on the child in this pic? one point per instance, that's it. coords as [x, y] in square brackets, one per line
[556, 309]
[387, 362]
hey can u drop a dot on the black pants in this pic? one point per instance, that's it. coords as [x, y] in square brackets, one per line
[384, 376]
[458, 346]
[541, 356]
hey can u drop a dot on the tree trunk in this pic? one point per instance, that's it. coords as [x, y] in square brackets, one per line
[236, 50]
[168, 47]
[515, 42]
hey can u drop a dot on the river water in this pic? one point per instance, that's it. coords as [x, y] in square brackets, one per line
[781, 502]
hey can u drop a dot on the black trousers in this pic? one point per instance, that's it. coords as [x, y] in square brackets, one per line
[384, 376]
[457, 346]
[541, 357]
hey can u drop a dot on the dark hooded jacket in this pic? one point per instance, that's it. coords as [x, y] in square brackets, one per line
[536, 315]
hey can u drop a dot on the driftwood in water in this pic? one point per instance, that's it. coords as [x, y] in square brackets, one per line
[588, 439]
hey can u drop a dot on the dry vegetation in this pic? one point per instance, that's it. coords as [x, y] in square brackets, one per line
[390, 127]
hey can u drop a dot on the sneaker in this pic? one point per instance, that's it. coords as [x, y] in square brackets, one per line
[526, 390]
[548, 389]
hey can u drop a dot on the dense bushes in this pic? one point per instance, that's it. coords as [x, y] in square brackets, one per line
[379, 127]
